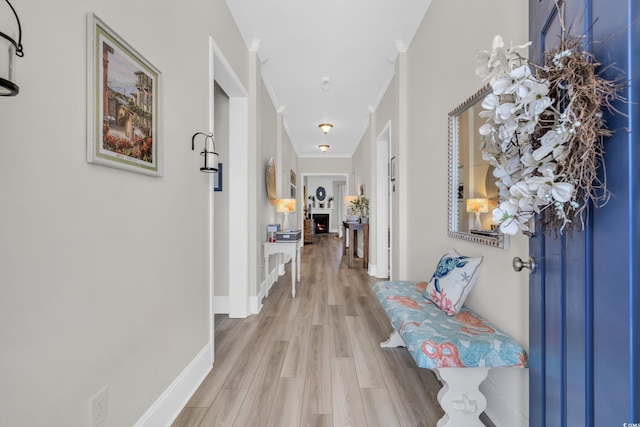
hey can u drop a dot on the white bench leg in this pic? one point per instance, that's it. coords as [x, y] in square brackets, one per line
[395, 340]
[460, 397]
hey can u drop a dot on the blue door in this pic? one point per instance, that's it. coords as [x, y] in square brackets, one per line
[585, 292]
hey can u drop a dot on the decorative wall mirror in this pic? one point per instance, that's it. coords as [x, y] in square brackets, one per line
[270, 181]
[473, 193]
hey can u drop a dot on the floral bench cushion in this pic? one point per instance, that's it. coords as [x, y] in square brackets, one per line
[436, 340]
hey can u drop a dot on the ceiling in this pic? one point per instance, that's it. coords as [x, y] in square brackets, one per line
[328, 61]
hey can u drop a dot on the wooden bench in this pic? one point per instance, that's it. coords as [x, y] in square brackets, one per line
[460, 349]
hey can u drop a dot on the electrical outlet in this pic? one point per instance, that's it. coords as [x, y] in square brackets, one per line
[99, 407]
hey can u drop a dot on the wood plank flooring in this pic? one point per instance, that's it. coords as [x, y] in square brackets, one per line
[313, 360]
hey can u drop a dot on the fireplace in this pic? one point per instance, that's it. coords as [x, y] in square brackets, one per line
[322, 223]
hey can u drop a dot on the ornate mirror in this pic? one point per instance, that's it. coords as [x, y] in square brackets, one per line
[472, 190]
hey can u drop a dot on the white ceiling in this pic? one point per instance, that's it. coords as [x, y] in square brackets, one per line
[352, 43]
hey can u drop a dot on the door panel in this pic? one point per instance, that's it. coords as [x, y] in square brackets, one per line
[584, 354]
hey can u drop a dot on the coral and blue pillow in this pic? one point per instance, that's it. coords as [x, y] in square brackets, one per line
[452, 281]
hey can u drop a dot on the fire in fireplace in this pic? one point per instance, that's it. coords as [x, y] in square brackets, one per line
[322, 223]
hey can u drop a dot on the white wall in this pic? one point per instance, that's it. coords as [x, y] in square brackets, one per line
[104, 273]
[435, 75]
[441, 75]
[267, 143]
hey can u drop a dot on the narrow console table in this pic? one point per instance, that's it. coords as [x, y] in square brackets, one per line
[353, 228]
[292, 248]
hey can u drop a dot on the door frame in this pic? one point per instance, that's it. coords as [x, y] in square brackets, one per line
[222, 73]
[383, 203]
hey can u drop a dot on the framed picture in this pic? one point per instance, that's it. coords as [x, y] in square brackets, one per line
[293, 191]
[392, 169]
[217, 179]
[123, 103]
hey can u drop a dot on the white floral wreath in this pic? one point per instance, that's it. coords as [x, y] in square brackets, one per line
[545, 152]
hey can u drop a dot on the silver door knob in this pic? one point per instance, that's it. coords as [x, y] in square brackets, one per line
[518, 264]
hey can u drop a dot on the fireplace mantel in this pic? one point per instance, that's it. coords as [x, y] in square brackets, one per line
[330, 212]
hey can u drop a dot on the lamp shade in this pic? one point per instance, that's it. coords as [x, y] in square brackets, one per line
[478, 205]
[349, 199]
[286, 205]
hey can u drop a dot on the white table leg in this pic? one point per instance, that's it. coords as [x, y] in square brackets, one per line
[266, 273]
[395, 340]
[298, 252]
[293, 276]
[460, 397]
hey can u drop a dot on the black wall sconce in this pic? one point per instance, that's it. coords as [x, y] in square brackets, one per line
[209, 152]
[7, 85]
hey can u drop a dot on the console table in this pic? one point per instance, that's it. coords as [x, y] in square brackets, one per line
[291, 248]
[353, 228]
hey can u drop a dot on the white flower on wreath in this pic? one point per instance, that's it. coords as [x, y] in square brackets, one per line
[526, 180]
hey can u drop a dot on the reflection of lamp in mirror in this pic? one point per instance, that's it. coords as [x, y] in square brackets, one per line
[478, 206]
[286, 206]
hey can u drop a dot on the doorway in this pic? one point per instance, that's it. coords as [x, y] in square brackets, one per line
[383, 204]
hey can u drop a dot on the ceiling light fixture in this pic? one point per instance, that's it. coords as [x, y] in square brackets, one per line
[323, 147]
[325, 127]
[325, 83]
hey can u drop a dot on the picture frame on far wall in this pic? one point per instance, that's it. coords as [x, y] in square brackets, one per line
[123, 103]
[217, 179]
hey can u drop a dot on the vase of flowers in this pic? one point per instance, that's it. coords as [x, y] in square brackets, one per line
[360, 206]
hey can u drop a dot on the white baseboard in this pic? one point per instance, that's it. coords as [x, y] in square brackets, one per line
[372, 270]
[220, 305]
[168, 406]
[500, 410]
[255, 302]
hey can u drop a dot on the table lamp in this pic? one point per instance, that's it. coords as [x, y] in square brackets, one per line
[348, 201]
[478, 206]
[285, 206]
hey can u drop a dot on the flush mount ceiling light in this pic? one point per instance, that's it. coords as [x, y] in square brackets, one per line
[325, 127]
[7, 86]
[323, 147]
[325, 83]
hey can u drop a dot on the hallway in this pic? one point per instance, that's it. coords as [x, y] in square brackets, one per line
[313, 360]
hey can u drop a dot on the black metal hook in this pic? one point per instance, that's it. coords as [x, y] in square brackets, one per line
[207, 136]
[18, 44]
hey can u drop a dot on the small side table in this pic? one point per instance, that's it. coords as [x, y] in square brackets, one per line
[291, 248]
[353, 228]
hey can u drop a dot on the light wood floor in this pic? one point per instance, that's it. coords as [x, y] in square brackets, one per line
[313, 360]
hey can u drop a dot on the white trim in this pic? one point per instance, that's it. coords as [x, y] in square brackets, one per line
[238, 182]
[383, 149]
[171, 402]
[499, 409]
[255, 303]
[372, 270]
[220, 305]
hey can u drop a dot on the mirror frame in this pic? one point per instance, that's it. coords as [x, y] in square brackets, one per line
[501, 240]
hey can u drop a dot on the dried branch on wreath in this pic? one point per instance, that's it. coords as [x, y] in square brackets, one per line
[544, 133]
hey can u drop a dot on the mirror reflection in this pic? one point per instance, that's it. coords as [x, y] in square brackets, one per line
[473, 193]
